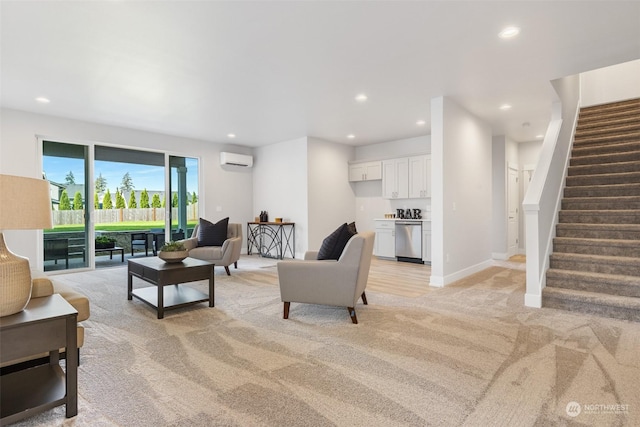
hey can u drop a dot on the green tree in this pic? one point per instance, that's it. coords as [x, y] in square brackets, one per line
[96, 201]
[106, 200]
[70, 179]
[119, 200]
[194, 198]
[164, 201]
[174, 200]
[127, 183]
[65, 205]
[77, 201]
[132, 200]
[155, 201]
[101, 183]
[144, 199]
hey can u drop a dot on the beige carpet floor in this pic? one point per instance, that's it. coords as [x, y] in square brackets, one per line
[468, 354]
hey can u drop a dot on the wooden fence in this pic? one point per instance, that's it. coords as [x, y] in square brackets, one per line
[108, 216]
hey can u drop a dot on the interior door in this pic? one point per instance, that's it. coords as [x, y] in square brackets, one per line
[513, 211]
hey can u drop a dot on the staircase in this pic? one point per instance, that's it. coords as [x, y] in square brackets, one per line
[595, 265]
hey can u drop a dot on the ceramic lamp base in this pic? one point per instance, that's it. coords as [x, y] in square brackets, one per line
[15, 281]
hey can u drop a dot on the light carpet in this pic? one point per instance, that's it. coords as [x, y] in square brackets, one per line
[467, 354]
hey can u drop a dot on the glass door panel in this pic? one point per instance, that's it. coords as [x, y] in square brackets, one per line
[66, 245]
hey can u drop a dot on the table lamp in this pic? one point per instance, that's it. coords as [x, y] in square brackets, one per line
[25, 204]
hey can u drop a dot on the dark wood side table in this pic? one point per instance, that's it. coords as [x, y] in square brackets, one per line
[46, 324]
[162, 274]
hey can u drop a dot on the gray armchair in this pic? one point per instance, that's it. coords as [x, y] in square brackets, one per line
[340, 283]
[225, 255]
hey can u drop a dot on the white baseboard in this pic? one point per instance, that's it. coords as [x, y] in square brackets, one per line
[440, 281]
[500, 256]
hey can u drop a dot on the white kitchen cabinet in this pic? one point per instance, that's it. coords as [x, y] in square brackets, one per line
[395, 178]
[366, 171]
[426, 241]
[420, 177]
[385, 244]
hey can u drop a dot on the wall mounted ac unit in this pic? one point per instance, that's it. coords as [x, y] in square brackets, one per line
[233, 159]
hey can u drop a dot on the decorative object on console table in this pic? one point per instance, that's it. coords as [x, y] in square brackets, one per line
[26, 205]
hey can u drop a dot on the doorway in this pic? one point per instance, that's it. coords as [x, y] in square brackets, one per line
[513, 203]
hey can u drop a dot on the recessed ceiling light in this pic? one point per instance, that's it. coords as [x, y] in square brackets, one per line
[361, 97]
[43, 100]
[509, 32]
[351, 136]
[505, 107]
[421, 123]
[231, 135]
[540, 136]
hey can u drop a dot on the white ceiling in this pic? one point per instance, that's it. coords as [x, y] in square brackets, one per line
[272, 71]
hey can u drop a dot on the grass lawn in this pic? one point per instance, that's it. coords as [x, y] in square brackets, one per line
[119, 226]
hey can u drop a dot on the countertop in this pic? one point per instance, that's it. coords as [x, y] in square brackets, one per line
[400, 219]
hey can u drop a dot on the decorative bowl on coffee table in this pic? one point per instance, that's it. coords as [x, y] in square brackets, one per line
[173, 256]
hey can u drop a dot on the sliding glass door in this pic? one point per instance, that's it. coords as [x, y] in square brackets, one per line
[65, 166]
[125, 194]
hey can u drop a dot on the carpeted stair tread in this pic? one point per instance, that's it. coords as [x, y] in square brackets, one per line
[607, 158]
[632, 125]
[604, 168]
[601, 203]
[604, 179]
[599, 231]
[587, 276]
[632, 135]
[600, 216]
[612, 190]
[598, 242]
[605, 148]
[619, 307]
[608, 266]
[618, 120]
[611, 106]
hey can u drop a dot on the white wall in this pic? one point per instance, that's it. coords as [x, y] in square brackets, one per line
[499, 198]
[369, 203]
[461, 192]
[280, 186]
[331, 198]
[229, 190]
[609, 84]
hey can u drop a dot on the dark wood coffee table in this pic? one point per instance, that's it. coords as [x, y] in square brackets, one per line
[167, 277]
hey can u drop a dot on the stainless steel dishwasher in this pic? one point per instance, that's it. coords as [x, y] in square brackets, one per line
[409, 241]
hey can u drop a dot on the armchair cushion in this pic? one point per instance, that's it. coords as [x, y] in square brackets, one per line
[210, 234]
[334, 243]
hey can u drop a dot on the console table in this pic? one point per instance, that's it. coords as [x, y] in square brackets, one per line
[47, 324]
[272, 239]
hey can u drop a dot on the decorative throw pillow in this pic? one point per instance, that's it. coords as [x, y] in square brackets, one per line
[334, 243]
[210, 234]
[352, 228]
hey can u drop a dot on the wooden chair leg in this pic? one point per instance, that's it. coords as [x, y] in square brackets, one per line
[352, 313]
[226, 268]
[286, 310]
[364, 299]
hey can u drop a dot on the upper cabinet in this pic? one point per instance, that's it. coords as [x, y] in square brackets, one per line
[395, 178]
[407, 178]
[420, 177]
[367, 171]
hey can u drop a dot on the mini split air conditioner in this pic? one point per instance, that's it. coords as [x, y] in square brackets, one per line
[233, 159]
